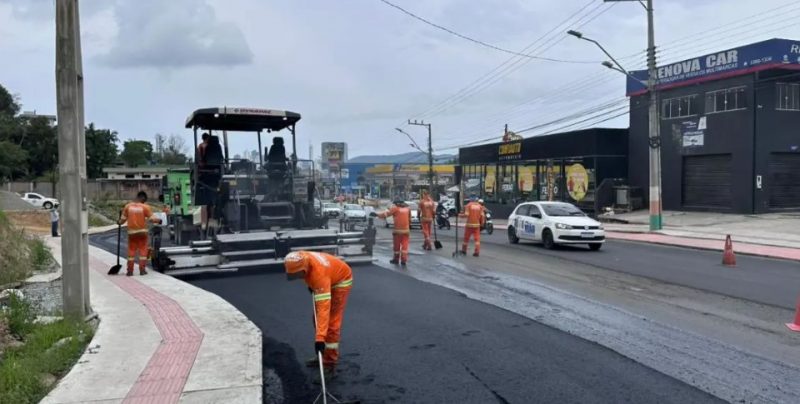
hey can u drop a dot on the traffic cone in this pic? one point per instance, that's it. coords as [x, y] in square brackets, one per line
[795, 326]
[728, 257]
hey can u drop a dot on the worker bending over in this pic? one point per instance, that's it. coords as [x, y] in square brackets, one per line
[427, 210]
[330, 280]
[476, 216]
[137, 213]
[401, 214]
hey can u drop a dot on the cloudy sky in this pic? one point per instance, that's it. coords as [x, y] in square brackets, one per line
[356, 69]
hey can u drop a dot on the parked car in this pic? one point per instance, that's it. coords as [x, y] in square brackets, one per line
[40, 201]
[414, 216]
[331, 209]
[553, 223]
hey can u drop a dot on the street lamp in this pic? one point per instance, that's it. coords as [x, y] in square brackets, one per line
[656, 220]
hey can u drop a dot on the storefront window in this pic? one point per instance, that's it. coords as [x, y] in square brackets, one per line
[490, 183]
[526, 181]
[579, 181]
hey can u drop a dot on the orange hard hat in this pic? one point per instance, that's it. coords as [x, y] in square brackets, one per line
[295, 262]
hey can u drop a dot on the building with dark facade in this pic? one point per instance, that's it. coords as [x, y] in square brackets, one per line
[730, 130]
[564, 166]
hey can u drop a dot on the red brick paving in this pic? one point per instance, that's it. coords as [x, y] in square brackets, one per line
[709, 244]
[163, 378]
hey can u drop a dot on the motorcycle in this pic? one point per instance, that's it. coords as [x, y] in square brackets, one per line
[488, 226]
[443, 219]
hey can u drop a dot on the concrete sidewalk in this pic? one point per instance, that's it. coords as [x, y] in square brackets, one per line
[161, 340]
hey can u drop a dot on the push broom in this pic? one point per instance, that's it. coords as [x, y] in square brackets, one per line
[115, 269]
[324, 394]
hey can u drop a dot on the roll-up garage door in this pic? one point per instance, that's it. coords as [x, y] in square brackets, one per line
[707, 181]
[784, 180]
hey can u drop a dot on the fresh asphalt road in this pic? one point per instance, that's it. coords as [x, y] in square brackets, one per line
[407, 341]
[763, 280]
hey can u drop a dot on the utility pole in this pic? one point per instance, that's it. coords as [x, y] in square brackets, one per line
[655, 126]
[72, 160]
[430, 154]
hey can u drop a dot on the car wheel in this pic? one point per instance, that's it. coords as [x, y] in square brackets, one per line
[547, 239]
[48, 205]
[512, 235]
[447, 225]
[386, 224]
[595, 246]
[489, 228]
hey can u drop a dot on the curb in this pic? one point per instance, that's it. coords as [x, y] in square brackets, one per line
[612, 235]
[165, 341]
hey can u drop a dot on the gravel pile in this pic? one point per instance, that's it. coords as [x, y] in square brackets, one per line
[11, 201]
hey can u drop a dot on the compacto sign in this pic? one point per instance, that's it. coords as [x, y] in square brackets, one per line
[510, 151]
[693, 132]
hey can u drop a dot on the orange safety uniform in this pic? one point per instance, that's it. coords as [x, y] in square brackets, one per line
[401, 231]
[476, 215]
[137, 214]
[330, 279]
[426, 214]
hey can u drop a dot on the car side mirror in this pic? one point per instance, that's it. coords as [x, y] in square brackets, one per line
[373, 214]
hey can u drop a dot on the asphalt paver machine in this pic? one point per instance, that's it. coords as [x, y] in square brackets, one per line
[254, 212]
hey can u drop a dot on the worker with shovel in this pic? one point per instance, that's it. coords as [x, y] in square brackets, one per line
[137, 214]
[401, 232]
[427, 210]
[329, 279]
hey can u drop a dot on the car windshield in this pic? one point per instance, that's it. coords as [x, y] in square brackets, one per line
[411, 205]
[352, 206]
[561, 209]
[330, 206]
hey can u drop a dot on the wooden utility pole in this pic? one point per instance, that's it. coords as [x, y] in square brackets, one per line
[72, 160]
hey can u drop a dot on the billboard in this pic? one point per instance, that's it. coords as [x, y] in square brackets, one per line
[334, 154]
[773, 53]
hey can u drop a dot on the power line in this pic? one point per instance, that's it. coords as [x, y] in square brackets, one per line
[479, 42]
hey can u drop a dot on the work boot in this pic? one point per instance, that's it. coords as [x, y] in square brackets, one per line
[476, 254]
[403, 264]
[328, 371]
[142, 271]
[129, 272]
[394, 261]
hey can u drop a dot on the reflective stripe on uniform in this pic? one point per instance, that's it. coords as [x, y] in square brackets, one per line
[344, 284]
[332, 345]
[131, 258]
[136, 231]
[322, 296]
[473, 225]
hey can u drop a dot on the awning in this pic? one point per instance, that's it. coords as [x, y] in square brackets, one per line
[454, 188]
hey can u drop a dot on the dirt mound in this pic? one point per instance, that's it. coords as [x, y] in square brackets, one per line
[32, 221]
[10, 201]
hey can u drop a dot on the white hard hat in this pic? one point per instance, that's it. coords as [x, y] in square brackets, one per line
[480, 200]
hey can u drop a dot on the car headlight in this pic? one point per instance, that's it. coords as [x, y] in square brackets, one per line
[563, 226]
[601, 227]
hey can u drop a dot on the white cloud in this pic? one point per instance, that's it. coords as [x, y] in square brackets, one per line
[175, 33]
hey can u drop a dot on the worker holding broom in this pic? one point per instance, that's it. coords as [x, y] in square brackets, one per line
[137, 214]
[401, 214]
[329, 279]
[476, 217]
[427, 210]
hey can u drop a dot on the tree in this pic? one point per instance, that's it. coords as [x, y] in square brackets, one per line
[13, 161]
[136, 152]
[9, 122]
[40, 139]
[101, 150]
[171, 150]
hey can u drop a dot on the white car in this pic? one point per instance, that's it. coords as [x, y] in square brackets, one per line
[354, 214]
[554, 223]
[331, 209]
[40, 201]
[414, 216]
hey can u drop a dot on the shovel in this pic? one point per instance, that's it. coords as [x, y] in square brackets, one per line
[436, 243]
[324, 393]
[115, 269]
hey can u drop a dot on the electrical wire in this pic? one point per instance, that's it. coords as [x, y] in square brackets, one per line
[479, 42]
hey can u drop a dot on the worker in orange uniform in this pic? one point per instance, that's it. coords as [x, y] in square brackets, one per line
[137, 213]
[401, 214]
[476, 216]
[427, 210]
[329, 279]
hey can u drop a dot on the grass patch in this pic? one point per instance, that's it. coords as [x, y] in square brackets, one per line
[45, 349]
[19, 255]
[96, 220]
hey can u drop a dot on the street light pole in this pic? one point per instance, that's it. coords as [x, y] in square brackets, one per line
[430, 154]
[654, 136]
[72, 160]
